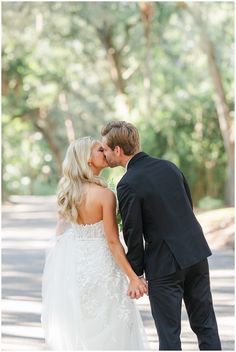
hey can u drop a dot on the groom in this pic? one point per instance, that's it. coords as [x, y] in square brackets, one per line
[156, 208]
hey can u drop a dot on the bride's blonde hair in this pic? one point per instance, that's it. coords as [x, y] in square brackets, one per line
[75, 174]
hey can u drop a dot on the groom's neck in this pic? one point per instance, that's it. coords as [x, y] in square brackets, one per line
[126, 158]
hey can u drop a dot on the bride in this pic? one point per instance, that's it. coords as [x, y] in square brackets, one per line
[87, 301]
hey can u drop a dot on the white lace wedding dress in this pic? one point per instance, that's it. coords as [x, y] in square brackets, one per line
[85, 304]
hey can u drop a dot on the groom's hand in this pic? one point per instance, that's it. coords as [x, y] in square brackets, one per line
[146, 284]
[137, 288]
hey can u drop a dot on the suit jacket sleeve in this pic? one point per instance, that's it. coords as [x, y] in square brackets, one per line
[186, 186]
[130, 209]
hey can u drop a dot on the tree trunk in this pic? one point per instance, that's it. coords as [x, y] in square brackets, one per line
[45, 125]
[53, 146]
[225, 121]
[105, 34]
[115, 63]
[67, 118]
[147, 13]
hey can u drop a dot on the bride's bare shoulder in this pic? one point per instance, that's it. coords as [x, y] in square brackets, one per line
[104, 193]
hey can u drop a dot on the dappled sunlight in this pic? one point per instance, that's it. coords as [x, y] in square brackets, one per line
[218, 226]
[24, 249]
[32, 215]
[10, 305]
[27, 245]
[69, 68]
[23, 331]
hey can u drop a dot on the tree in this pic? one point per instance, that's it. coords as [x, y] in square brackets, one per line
[76, 65]
[222, 108]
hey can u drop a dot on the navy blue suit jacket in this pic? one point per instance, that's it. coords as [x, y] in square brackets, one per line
[160, 229]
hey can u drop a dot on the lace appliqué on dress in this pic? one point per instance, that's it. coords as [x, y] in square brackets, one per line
[93, 253]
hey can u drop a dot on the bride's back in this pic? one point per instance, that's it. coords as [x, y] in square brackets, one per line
[90, 210]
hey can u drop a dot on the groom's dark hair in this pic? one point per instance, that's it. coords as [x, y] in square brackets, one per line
[122, 134]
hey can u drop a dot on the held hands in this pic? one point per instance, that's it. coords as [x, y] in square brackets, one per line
[137, 288]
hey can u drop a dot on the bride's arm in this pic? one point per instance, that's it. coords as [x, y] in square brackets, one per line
[62, 226]
[137, 287]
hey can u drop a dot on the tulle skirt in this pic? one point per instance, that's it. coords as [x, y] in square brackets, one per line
[85, 304]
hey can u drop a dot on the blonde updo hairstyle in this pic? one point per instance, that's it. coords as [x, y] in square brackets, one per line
[75, 174]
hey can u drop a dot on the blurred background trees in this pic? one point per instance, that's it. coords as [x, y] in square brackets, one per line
[68, 68]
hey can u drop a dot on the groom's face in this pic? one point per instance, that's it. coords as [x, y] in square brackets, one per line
[112, 156]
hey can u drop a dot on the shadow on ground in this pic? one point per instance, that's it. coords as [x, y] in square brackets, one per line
[28, 224]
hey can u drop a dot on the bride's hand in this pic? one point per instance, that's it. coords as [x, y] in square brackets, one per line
[137, 287]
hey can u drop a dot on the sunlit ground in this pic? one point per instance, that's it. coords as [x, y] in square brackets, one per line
[28, 225]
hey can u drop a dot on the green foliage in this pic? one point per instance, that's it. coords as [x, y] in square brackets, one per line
[61, 64]
[28, 162]
[208, 203]
[112, 186]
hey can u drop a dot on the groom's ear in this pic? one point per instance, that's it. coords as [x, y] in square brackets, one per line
[118, 150]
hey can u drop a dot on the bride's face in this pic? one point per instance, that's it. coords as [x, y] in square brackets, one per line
[97, 159]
